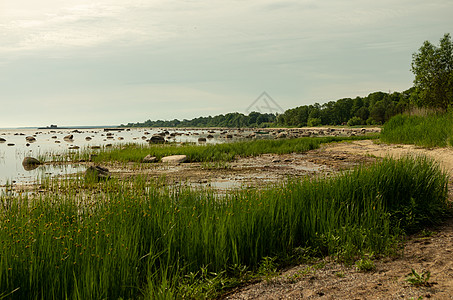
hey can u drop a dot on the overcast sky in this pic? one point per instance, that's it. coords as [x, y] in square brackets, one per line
[107, 62]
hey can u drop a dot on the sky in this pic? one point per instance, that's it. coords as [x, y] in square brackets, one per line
[111, 62]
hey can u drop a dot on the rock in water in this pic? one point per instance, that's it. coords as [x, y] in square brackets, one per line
[30, 163]
[174, 159]
[157, 139]
[30, 139]
[97, 173]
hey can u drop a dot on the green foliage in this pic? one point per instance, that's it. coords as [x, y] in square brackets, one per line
[376, 108]
[313, 122]
[433, 70]
[433, 130]
[132, 239]
[211, 152]
[254, 119]
[365, 265]
[267, 268]
[354, 121]
[417, 279]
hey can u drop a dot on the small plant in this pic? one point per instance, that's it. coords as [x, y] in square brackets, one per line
[426, 233]
[417, 279]
[300, 274]
[365, 265]
[340, 274]
[267, 268]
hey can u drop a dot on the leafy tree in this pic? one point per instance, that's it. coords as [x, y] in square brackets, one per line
[354, 121]
[433, 70]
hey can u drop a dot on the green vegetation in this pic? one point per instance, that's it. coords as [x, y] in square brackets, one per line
[254, 119]
[365, 265]
[427, 131]
[433, 70]
[214, 152]
[127, 239]
[417, 279]
[374, 109]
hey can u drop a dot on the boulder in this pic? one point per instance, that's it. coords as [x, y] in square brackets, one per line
[210, 136]
[74, 147]
[202, 140]
[174, 159]
[88, 138]
[2, 140]
[69, 137]
[97, 173]
[30, 139]
[149, 159]
[157, 139]
[30, 163]
[281, 135]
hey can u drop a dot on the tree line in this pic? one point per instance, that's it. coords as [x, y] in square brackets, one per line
[376, 108]
[433, 88]
[253, 119]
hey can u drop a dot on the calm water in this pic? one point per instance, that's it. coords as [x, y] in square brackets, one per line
[51, 140]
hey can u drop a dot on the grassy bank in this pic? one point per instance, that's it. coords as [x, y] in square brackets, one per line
[434, 130]
[212, 152]
[137, 239]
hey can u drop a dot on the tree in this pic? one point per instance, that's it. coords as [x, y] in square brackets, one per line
[433, 70]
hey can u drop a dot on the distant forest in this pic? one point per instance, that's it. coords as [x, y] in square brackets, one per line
[374, 109]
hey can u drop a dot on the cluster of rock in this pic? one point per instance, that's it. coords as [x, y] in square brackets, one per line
[312, 132]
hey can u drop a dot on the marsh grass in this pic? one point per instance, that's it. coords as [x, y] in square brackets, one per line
[132, 239]
[429, 130]
[224, 152]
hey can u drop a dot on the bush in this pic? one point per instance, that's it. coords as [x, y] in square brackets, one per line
[314, 122]
[354, 121]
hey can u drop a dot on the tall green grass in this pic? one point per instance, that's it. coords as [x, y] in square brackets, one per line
[214, 152]
[134, 239]
[428, 131]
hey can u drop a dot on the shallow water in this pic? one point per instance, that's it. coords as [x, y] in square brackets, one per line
[16, 147]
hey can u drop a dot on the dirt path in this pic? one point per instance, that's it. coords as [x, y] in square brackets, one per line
[431, 252]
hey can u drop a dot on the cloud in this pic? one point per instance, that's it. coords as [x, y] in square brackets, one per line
[170, 53]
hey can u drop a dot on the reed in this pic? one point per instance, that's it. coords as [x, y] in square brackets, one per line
[429, 130]
[132, 239]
